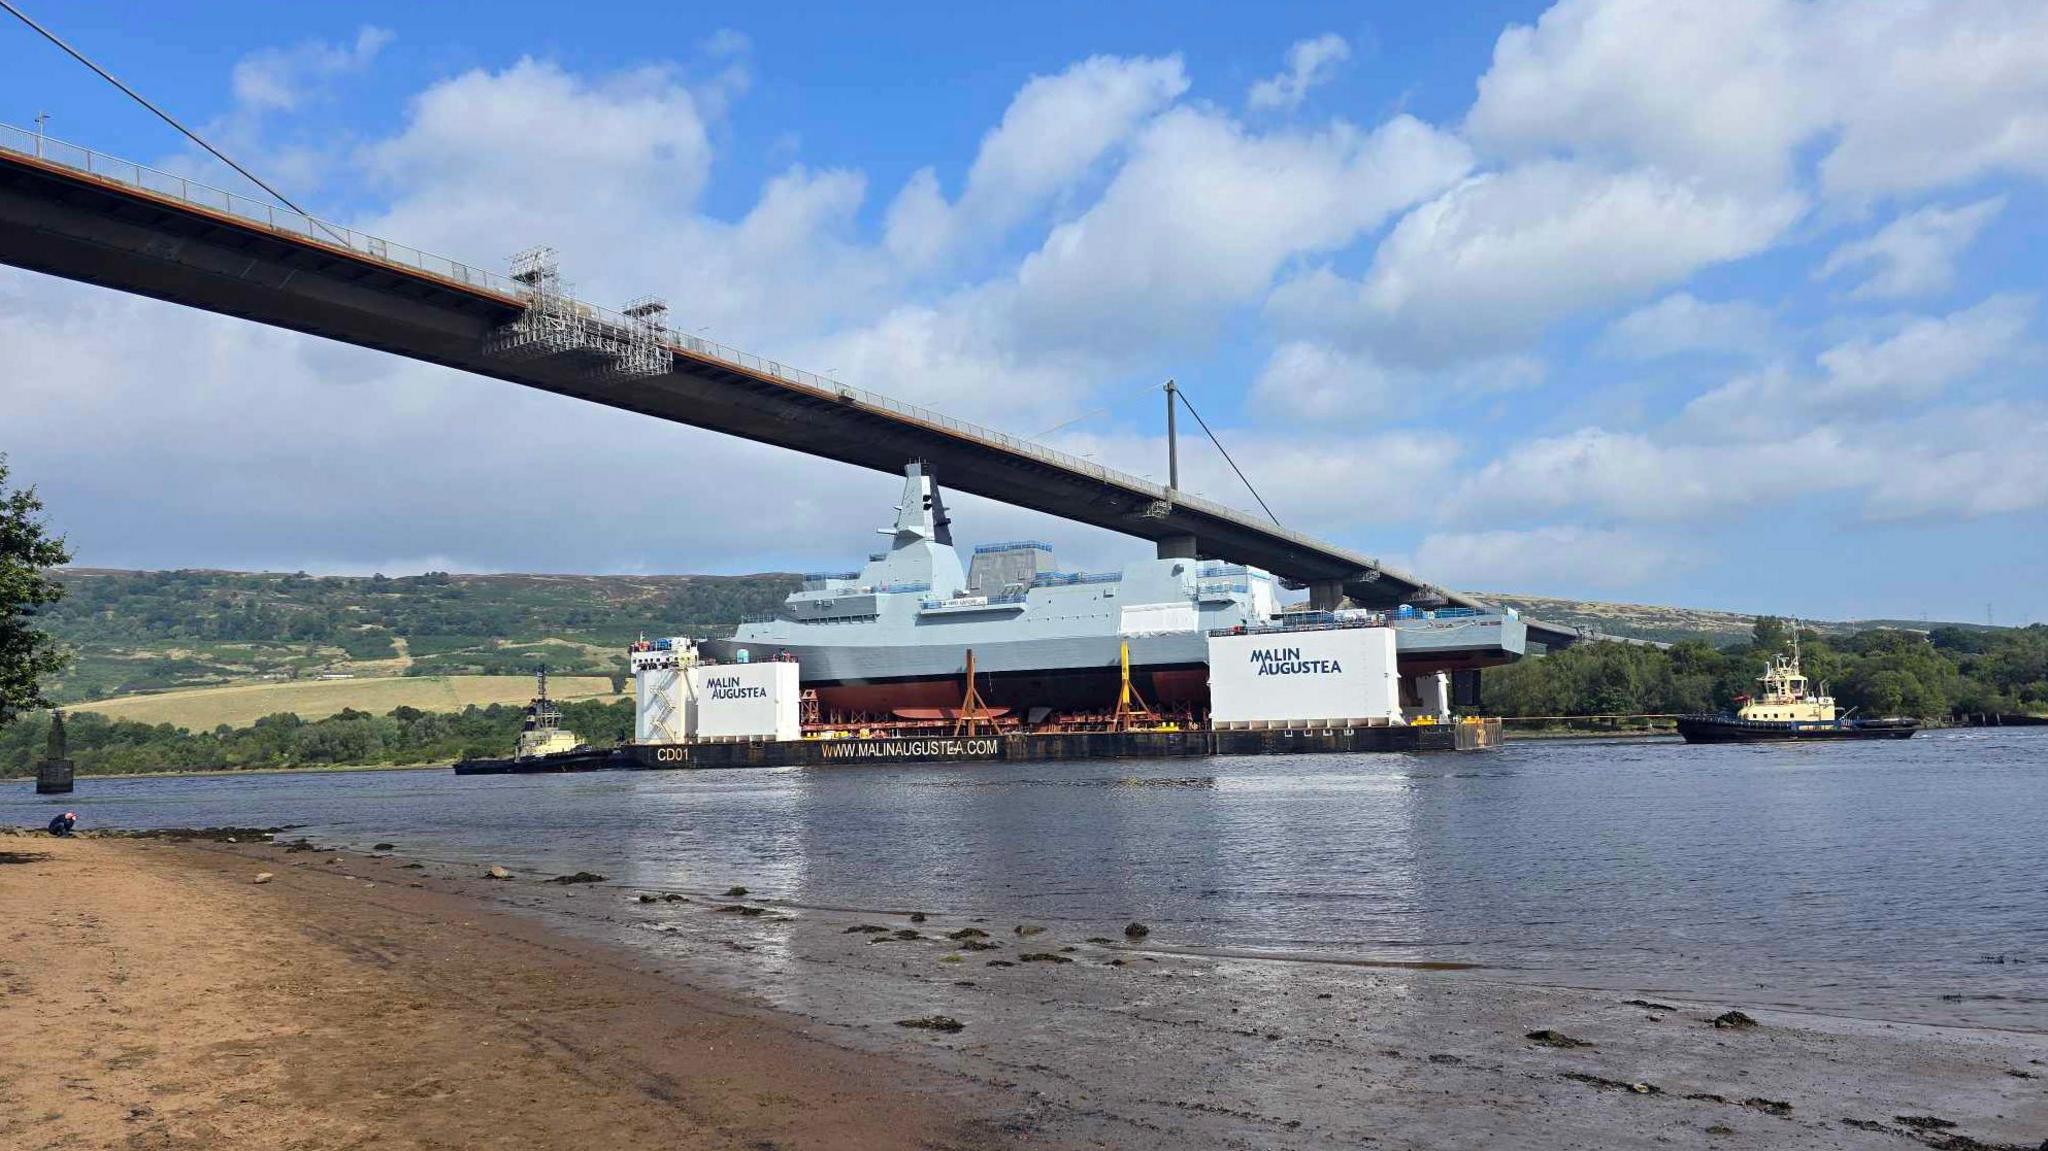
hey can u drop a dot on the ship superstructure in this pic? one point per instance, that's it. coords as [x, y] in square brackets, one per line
[891, 638]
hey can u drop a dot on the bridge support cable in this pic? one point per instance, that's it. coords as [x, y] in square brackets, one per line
[1173, 390]
[160, 114]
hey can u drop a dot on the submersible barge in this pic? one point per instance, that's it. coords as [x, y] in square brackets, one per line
[1463, 735]
[915, 658]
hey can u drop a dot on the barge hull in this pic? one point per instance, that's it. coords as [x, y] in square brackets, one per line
[1023, 748]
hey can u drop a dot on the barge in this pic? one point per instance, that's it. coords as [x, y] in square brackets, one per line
[1472, 734]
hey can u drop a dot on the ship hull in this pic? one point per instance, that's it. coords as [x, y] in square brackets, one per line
[1066, 673]
[1070, 689]
[1728, 729]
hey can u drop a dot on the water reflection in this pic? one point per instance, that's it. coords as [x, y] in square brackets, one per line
[1840, 877]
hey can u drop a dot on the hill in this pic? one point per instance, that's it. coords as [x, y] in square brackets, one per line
[270, 635]
[1675, 624]
[241, 704]
[144, 632]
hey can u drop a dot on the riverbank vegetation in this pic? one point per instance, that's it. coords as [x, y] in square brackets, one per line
[406, 735]
[1944, 673]
[131, 632]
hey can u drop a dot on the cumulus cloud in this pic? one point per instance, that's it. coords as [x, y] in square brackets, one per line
[1557, 558]
[1205, 213]
[1864, 378]
[1683, 324]
[1056, 129]
[1485, 267]
[1334, 485]
[1944, 464]
[1309, 63]
[1902, 98]
[1915, 254]
[1714, 89]
[1310, 380]
[282, 79]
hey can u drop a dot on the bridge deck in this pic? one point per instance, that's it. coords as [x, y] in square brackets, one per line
[76, 214]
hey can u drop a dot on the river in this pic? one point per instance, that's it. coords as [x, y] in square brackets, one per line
[1883, 880]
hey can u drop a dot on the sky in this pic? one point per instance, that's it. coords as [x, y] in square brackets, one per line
[1730, 304]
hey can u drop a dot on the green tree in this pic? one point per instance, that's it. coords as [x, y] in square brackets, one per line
[27, 552]
[1769, 635]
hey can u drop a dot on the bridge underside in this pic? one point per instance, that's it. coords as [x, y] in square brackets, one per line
[71, 225]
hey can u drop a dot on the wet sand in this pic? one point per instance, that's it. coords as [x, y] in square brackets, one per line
[155, 997]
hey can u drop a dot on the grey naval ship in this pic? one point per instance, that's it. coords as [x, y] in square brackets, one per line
[892, 638]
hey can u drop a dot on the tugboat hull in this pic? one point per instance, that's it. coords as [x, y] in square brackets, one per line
[1728, 729]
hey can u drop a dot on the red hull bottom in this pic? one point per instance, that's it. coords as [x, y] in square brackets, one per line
[1091, 689]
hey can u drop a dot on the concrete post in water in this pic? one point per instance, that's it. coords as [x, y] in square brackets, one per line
[53, 774]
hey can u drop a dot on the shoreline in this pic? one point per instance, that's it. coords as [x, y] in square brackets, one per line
[212, 772]
[1059, 1034]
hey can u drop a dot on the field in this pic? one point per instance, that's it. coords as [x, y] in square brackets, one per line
[238, 705]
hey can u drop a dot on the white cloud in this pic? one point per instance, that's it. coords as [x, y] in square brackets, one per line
[1713, 89]
[1901, 97]
[1925, 356]
[1557, 558]
[1311, 380]
[1487, 266]
[1336, 486]
[1683, 324]
[1978, 462]
[282, 79]
[1945, 464]
[1056, 129]
[1309, 63]
[1634, 476]
[1205, 213]
[1304, 378]
[1935, 95]
[1915, 254]
[1866, 378]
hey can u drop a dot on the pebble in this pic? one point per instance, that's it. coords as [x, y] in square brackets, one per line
[263, 877]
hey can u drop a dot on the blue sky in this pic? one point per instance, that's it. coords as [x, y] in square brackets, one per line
[1731, 304]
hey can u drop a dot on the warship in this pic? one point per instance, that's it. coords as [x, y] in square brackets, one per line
[892, 638]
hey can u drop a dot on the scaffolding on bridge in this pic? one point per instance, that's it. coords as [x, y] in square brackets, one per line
[555, 324]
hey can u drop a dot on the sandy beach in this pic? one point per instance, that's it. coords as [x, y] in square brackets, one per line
[156, 996]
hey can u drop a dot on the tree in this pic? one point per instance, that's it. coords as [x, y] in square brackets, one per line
[27, 551]
[1769, 635]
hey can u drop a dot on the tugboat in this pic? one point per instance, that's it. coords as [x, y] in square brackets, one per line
[1787, 710]
[544, 744]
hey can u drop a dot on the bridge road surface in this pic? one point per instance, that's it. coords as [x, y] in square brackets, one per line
[83, 216]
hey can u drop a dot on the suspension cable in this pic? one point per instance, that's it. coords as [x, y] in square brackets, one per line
[166, 117]
[1182, 393]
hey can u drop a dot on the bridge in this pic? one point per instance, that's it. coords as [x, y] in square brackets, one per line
[78, 214]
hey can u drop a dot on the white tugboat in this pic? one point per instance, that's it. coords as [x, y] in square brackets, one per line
[544, 744]
[1788, 709]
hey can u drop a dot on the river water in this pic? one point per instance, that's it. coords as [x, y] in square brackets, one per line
[1885, 880]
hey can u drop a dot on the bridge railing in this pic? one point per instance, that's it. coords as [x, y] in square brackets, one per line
[300, 226]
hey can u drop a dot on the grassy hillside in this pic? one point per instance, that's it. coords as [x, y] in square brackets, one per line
[241, 704]
[269, 635]
[1674, 624]
[139, 632]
